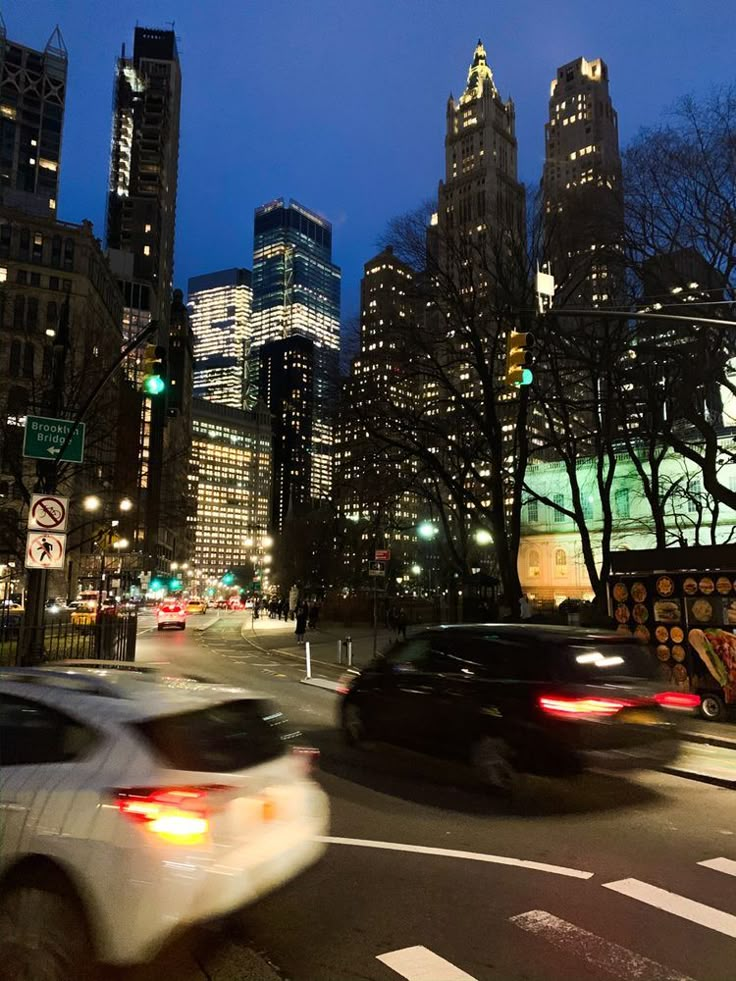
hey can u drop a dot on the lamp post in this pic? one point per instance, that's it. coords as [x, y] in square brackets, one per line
[428, 531]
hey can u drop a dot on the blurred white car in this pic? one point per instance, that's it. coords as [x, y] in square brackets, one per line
[172, 613]
[132, 805]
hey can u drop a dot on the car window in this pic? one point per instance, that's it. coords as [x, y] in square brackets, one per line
[423, 653]
[220, 738]
[31, 733]
[497, 657]
[602, 662]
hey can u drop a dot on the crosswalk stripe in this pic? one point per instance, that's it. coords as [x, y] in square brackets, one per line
[420, 964]
[670, 902]
[618, 961]
[726, 865]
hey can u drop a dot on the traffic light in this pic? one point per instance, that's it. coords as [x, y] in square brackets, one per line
[228, 579]
[175, 584]
[155, 585]
[518, 356]
[154, 370]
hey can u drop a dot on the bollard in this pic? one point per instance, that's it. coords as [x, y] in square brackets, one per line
[339, 652]
[350, 651]
[308, 656]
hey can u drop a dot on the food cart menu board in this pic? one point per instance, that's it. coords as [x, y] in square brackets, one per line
[661, 609]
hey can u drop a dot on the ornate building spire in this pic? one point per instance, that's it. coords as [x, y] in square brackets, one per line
[478, 74]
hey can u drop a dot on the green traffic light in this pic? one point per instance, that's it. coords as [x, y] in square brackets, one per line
[228, 579]
[526, 377]
[156, 584]
[175, 584]
[153, 385]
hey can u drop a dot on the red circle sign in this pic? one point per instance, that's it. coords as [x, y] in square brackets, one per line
[48, 513]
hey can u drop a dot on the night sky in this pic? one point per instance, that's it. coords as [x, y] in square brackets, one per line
[340, 104]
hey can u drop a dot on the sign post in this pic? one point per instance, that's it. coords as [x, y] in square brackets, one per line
[45, 437]
[377, 569]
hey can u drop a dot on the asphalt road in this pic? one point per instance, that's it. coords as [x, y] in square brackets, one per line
[431, 880]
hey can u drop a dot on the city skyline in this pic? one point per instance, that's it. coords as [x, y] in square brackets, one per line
[218, 235]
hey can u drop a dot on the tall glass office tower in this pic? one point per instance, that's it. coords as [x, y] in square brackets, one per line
[296, 293]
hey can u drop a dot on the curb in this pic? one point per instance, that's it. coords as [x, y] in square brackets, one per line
[201, 630]
[699, 777]
[705, 739]
[320, 683]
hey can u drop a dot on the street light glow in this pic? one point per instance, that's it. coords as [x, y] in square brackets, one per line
[91, 503]
[121, 543]
[483, 537]
[416, 570]
[267, 541]
[126, 504]
[427, 530]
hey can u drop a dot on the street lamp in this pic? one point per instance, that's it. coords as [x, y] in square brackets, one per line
[121, 543]
[126, 504]
[416, 570]
[483, 537]
[267, 541]
[91, 503]
[427, 530]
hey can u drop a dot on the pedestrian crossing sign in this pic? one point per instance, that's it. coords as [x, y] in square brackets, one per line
[45, 550]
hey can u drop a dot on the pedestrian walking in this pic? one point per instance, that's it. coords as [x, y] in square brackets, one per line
[301, 623]
[401, 623]
[256, 607]
[392, 619]
[313, 615]
[293, 601]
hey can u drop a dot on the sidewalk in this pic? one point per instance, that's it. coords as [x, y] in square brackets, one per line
[323, 644]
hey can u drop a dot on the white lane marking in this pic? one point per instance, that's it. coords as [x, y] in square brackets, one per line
[420, 964]
[670, 902]
[726, 865]
[393, 846]
[612, 958]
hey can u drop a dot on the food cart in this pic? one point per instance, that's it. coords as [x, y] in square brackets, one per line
[682, 602]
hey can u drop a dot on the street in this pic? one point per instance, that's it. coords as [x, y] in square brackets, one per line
[428, 878]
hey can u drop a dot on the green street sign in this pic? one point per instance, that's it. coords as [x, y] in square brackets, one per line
[45, 437]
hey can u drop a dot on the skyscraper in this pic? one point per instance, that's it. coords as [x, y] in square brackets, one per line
[296, 293]
[220, 312]
[141, 209]
[481, 190]
[286, 371]
[230, 482]
[32, 97]
[581, 183]
[141, 213]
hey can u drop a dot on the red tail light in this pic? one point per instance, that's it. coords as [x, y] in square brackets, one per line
[177, 814]
[565, 707]
[683, 700]
[307, 757]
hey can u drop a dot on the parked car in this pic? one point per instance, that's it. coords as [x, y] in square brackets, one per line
[196, 606]
[517, 697]
[132, 805]
[171, 613]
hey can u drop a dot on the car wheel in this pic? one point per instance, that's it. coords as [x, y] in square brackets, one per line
[492, 762]
[712, 707]
[353, 725]
[160, 626]
[43, 936]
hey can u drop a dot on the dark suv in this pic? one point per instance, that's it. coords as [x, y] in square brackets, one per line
[512, 697]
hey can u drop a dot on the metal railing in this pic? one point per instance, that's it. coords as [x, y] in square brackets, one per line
[109, 637]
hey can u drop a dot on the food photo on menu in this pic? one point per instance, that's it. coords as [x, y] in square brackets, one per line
[717, 651]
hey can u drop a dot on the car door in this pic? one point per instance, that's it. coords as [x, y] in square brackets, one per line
[38, 773]
[401, 701]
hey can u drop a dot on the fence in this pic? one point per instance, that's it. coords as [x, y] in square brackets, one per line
[110, 638]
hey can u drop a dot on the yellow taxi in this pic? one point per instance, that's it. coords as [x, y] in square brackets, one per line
[196, 606]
